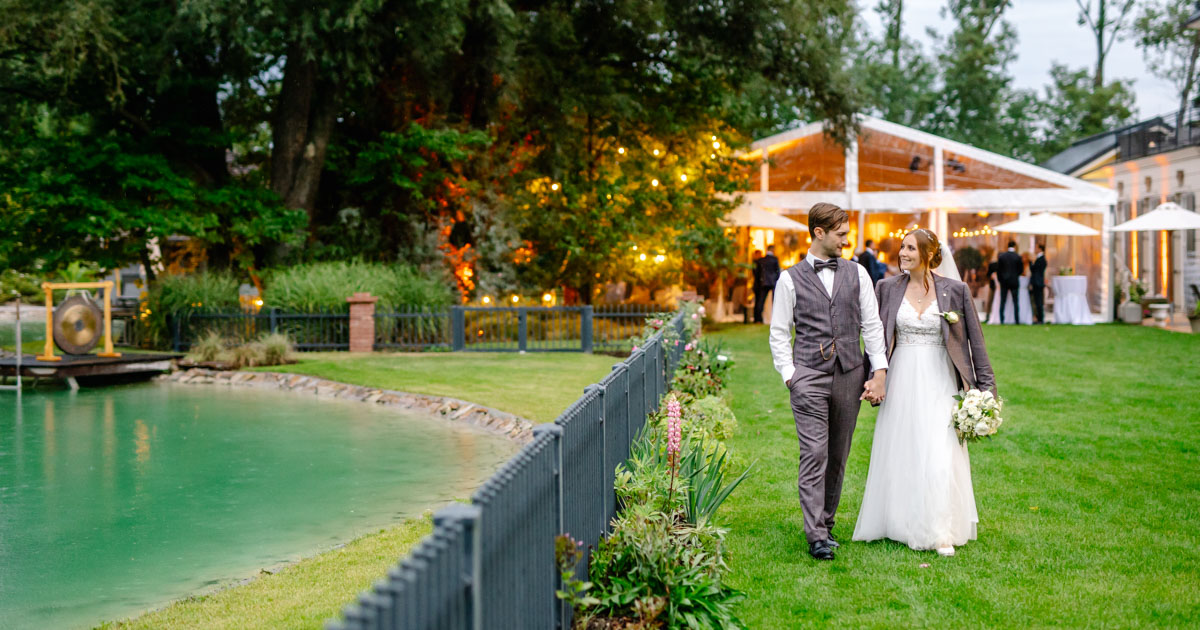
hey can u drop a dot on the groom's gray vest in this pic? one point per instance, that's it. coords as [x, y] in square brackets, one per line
[827, 329]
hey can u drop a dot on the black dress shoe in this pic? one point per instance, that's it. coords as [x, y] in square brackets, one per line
[820, 550]
[833, 544]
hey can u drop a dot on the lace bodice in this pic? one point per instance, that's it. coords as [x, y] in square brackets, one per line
[919, 330]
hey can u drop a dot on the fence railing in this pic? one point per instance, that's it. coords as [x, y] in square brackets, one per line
[491, 564]
[459, 328]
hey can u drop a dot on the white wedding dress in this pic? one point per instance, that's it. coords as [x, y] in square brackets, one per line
[918, 488]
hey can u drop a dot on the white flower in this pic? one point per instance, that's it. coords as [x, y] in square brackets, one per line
[951, 317]
[702, 311]
[982, 429]
[721, 357]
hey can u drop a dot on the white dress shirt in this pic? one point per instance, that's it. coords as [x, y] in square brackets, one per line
[785, 303]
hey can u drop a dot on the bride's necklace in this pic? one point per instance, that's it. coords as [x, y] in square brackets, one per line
[922, 300]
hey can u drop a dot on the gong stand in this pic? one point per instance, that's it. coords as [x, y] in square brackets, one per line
[49, 288]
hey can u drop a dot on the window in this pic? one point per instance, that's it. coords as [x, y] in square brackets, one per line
[1179, 179]
[1147, 189]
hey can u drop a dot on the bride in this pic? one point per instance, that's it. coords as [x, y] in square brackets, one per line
[918, 488]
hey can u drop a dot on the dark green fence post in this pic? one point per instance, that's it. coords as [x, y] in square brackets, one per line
[522, 328]
[176, 341]
[274, 319]
[458, 328]
[585, 328]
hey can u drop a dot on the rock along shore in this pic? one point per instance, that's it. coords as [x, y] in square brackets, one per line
[494, 421]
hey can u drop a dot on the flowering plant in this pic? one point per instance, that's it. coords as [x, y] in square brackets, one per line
[951, 317]
[977, 415]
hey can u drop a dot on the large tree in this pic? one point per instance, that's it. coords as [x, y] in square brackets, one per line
[1170, 49]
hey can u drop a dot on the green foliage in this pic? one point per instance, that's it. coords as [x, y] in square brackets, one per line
[1074, 107]
[968, 258]
[567, 554]
[1170, 49]
[208, 292]
[702, 370]
[208, 348]
[268, 349]
[710, 417]
[704, 470]
[277, 348]
[324, 287]
[27, 287]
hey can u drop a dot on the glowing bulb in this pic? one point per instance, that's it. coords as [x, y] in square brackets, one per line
[714, 138]
[654, 182]
[547, 297]
[487, 300]
[258, 302]
[621, 150]
[716, 145]
[659, 258]
[635, 248]
[713, 156]
[683, 178]
[641, 257]
[608, 196]
[515, 299]
[656, 152]
[553, 186]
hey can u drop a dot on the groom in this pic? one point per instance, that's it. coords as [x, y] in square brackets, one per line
[829, 301]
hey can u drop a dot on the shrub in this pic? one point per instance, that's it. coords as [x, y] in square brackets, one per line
[278, 348]
[247, 355]
[208, 292]
[210, 346]
[324, 287]
[27, 286]
[702, 370]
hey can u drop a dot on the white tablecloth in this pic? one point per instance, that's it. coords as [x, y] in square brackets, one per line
[1022, 298]
[1070, 300]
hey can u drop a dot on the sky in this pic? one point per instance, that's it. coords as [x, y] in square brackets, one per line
[1047, 32]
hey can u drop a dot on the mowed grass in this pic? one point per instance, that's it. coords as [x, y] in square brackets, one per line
[1089, 497]
[302, 595]
[536, 386]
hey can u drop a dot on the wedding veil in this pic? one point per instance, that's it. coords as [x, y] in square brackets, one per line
[948, 269]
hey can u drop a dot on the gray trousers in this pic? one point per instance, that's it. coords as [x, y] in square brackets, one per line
[825, 407]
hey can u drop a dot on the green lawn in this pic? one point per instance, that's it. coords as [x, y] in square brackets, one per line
[536, 386]
[1089, 498]
[302, 595]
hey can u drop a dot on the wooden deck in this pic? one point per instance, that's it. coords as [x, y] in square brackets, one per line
[87, 366]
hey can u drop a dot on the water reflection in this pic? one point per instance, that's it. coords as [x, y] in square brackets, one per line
[122, 499]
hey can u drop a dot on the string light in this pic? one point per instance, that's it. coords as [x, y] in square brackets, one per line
[654, 182]
[621, 150]
[641, 257]
[656, 152]
[635, 248]
[553, 186]
[487, 300]
[714, 138]
[712, 156]
[516, 299]
[716, 145]
[683, 178]
[659, 258]
[547, 297]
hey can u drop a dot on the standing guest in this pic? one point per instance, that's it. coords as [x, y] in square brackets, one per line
[1037, 284]
[1010, 268]
[867, 259]
[766, 274]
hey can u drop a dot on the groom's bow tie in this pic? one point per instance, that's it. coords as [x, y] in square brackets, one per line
[830, 264]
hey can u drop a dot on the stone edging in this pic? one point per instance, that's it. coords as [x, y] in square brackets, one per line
[513, 427]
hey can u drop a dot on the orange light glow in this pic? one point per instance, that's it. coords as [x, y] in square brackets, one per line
[1133, 241]
[1163, 275]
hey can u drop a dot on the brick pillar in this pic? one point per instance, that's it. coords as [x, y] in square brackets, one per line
[362, 322]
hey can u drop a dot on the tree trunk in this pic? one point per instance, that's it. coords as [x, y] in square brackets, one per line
[1098, 79]
[305, 115]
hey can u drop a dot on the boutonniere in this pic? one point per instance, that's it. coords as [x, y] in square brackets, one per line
[951, 317]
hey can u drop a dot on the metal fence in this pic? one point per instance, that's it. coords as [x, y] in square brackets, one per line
[459, 328]
[491, 564]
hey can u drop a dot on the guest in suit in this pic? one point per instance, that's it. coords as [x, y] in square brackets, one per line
[1037, 285]
[867, 259]
[766, 274]
[1009, 270]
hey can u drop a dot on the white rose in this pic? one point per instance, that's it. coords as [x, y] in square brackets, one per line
[721, 357]
[982, 429]
[974, 413]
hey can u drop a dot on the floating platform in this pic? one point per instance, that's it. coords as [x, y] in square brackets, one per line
[90, 367]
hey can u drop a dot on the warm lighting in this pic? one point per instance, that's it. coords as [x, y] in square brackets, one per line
[553, 186]
[608, 196]
[712, 156]
[654, 182]
[683, 178]
[516, 299]
[984, 214]
[716, 145]
[714, 138]
[656, 152]
[1162, 272]
[641, 257]
[487, 300]
[258, 302]
[621, 150]
[546, 297]
[659, 258]
[635, 248]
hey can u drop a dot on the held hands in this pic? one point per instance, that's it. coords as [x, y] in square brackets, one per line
[873, 390]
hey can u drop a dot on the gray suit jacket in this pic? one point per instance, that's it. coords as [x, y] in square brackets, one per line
[964, 340]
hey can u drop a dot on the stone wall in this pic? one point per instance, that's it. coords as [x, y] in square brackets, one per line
[452, 409]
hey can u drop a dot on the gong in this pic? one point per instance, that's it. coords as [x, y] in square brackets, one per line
[77, 325]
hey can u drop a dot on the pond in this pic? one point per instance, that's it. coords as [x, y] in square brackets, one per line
[118, 500]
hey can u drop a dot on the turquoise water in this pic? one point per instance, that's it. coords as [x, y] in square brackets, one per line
[114, 501]
[30, 331]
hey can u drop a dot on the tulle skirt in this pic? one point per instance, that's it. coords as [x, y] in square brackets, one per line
[918, 488]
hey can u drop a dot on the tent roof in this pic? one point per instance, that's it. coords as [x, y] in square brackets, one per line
[1167, 216]
[1046, 223]
[982, 186]
[749, 216]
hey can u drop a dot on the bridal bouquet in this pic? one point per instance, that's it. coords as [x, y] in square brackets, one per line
[977, 415]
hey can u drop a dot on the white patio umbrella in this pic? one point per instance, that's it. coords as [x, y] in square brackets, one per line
[750, 216]
[1167, 216]
[1048, 224]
